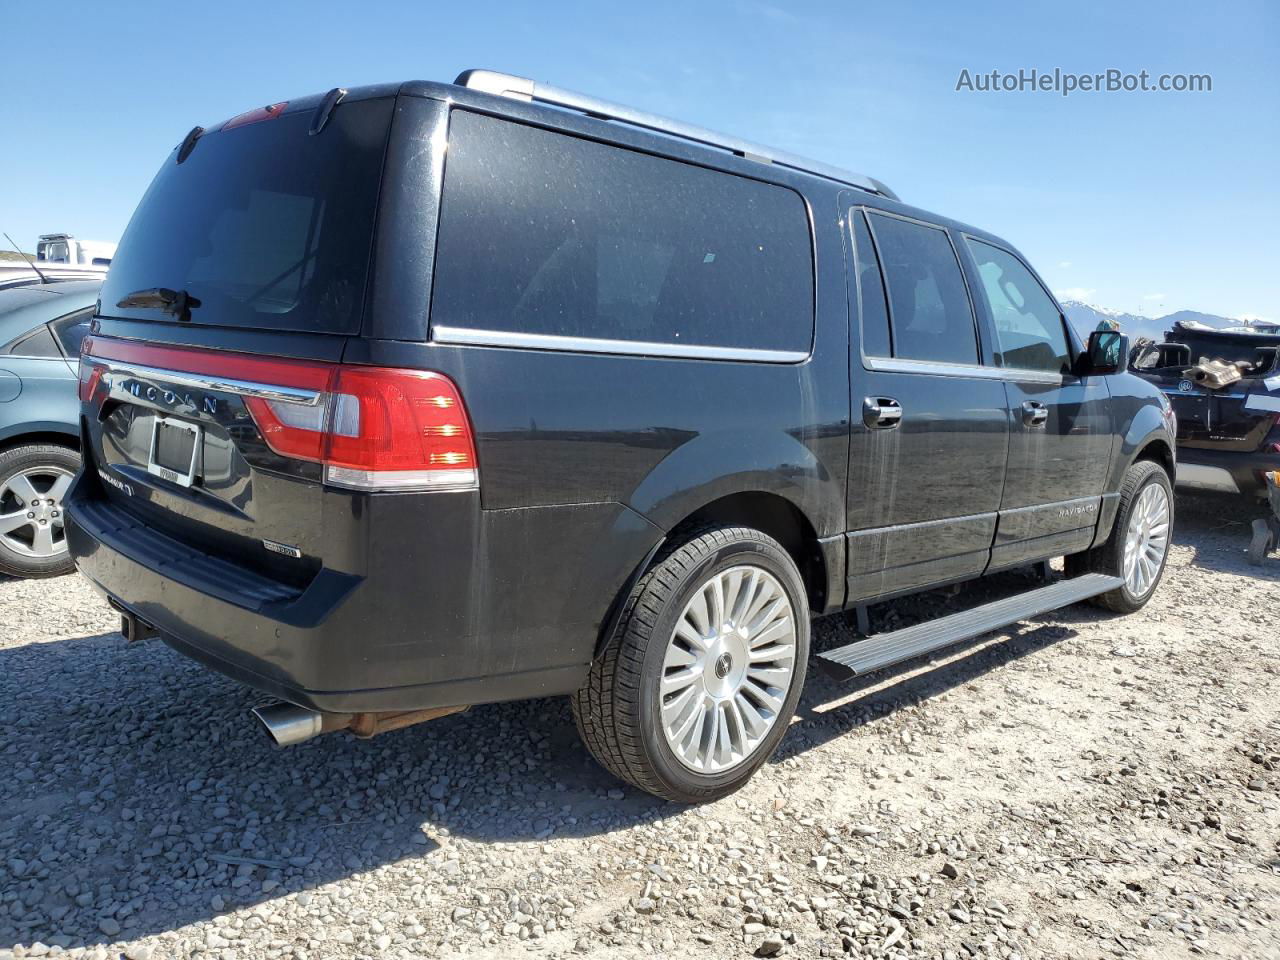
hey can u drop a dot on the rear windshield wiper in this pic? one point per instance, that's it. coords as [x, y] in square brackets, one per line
[178, 302]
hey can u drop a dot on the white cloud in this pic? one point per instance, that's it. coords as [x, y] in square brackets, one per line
[1064, 264]
[1154, 296]
[1074, 293]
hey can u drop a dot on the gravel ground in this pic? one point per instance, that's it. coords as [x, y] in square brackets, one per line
[1078, 786]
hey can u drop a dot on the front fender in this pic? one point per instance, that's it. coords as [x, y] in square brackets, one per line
[721, 463]
[1138, 419]
[1144, 425]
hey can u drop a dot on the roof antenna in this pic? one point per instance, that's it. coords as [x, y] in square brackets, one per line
[31, 263]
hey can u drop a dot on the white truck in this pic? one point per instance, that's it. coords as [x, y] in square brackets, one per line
[67, 249]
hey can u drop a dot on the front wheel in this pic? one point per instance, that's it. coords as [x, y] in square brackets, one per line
[702, 676]
[1138, 547]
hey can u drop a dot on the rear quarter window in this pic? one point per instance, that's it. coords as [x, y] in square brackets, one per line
[542, 233]
[38, 342]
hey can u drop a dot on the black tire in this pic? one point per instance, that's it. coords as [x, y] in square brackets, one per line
[618, 710]
[1109, 557]
[13, 462]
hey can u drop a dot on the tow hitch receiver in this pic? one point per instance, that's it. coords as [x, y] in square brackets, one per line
[134, 628]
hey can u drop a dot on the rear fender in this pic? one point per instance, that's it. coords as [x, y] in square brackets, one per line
[718, 464]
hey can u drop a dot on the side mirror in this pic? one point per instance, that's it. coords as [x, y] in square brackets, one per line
[1108, 352]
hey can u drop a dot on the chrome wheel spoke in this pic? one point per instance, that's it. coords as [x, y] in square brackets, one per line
[42, 545]
[727, 669]
[22, 488]
[59, 488]
[678, 680]
[698, 613]
[770, 676]
[12, 521]
[687, 632]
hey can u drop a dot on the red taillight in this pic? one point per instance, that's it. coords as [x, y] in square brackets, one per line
[256, 116]
[90, 372]
[373, 428]
[379, 428]
[398, 428]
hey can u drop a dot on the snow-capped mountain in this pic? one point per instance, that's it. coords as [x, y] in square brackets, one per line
[1086, 317]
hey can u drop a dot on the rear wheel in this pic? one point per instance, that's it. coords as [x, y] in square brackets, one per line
[698, 684]
[33, 483]
[1138, 546]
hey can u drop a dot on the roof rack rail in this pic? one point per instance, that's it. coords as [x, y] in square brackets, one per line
[522, 88]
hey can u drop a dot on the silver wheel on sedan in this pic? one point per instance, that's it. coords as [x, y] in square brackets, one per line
[31, 511]
[728, 668]
[1146, 540]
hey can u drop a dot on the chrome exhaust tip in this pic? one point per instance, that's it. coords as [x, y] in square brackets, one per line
[288, 724]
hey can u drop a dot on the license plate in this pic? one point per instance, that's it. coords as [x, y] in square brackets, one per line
[175, 451]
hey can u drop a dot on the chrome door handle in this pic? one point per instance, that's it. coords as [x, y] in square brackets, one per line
[1034, 414]
[881, 413]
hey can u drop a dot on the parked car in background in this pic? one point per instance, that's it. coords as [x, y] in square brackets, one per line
[606, 405]
[14, 273]
[1228, 435]
[67, 249]
[42, 326]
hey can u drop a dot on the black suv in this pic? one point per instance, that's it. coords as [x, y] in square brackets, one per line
[410, 397]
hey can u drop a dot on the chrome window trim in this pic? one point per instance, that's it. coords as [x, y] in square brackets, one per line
[245, 388]
[935, 368]
[474, 337]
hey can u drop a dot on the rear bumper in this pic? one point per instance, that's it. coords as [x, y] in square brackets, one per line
[416, 633]
[1228, 471]
[338, 645]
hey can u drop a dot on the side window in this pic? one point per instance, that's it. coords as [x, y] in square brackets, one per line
[874, 313]
[544, 233]
[1029, 330]
[38, 342]
[929, 303]
[71, 331]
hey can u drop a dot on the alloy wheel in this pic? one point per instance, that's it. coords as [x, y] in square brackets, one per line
[31, 511]
[1146, 540]
[728, 668]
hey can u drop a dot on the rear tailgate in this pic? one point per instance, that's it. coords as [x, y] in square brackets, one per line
[180, 453]
[249, 254]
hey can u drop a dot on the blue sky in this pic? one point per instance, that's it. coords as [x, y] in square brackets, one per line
[1145, 202]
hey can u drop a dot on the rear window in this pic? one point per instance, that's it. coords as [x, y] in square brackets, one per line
[542, 233]
[263, 224]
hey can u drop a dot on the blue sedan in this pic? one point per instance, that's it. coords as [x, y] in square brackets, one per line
[41, 328]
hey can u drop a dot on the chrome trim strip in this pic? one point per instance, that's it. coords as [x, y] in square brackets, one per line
[1051, 505]
[1198, 476]
[467, 336]
[921, 524]
[935, 368]
[245, 388]
[932, 368]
